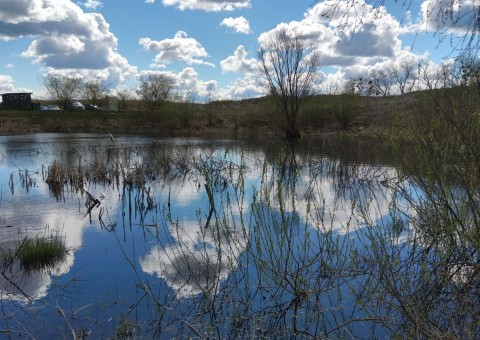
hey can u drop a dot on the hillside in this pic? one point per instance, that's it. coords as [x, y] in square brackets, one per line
[322, 114]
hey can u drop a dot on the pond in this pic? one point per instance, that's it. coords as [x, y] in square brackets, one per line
[199, 238]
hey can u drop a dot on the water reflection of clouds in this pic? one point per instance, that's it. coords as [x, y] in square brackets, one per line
[37, 214]
[27, 217]
[182, 192]
[190, 263]
[332, 205]
[198, 259]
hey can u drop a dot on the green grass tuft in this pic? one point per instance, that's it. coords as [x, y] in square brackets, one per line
[41, 252]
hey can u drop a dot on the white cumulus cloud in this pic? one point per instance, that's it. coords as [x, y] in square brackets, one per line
[350, 35]
[64, 37]
[238, 62]
[180, 47]
[239, 25]
[208, 5]
[92, 4]
[450, 16]
[6, 84]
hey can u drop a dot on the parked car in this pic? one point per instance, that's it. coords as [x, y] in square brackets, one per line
[50, 108]
[76, 106]
[92, 107]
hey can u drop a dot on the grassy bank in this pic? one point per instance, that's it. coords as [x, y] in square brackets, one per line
[346, 114]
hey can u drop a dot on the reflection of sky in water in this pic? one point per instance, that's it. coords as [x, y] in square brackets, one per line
[191, 262]
[36, 212]
[198, 259]
[188, 256]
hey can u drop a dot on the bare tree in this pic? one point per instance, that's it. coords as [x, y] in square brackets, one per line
[381, 82]
[155, 89]
[289, 68]
[356, 86]
[94, 90]
[427, 74]
[405, 77]
[62, 88]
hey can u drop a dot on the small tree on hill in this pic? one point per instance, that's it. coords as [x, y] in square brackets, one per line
[155, 90]
[288, 66]
[94, 91]
[405, 76]
[62, 88]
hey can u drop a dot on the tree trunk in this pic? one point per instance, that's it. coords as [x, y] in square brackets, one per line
[292, 133]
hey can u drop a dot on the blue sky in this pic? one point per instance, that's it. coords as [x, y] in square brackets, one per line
[208, 46]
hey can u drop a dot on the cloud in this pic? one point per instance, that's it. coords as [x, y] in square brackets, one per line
[64, 37]
[180, 47]
[191, 264]
[92, 4]
[241, 88]
[44, 47]
[358, 30]
[208, 5]
[6, 84]
[238, 62]
[455, 16]
[350, 37]
[240, 24]
[346, 31]
[354, 39]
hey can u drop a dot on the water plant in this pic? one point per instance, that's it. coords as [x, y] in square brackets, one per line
[36, 252]
[41, 252]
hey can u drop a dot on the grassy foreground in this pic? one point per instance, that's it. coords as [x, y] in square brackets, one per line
[346, 114]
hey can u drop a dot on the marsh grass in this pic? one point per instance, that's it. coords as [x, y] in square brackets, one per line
[41, 252]
[30, 254]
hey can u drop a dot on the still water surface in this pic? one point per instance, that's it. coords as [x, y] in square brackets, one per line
[190, 237]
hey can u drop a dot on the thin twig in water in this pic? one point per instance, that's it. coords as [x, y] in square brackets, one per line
[62, 313]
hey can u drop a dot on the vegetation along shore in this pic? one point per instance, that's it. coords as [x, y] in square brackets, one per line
[321, 114]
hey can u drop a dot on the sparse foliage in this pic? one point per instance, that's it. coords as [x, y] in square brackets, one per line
[404, 76]
[359, 86]
[381, 82]
[155, 90]
[427, 74]
[94, 91]
[62, 88]
[288, 66]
